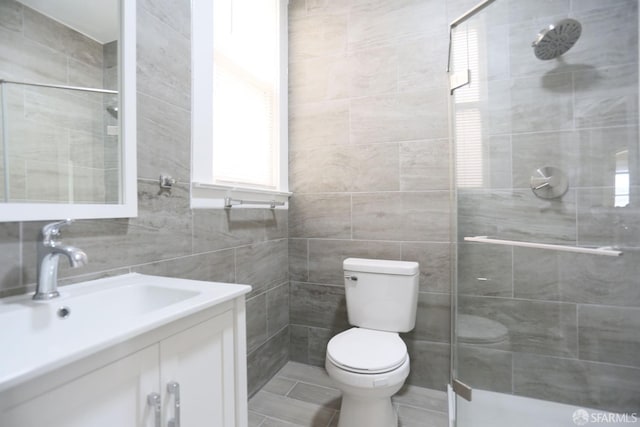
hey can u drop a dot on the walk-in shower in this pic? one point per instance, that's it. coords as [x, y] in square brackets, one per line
[546, 220]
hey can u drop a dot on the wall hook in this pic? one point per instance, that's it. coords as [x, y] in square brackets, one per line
[166, 181]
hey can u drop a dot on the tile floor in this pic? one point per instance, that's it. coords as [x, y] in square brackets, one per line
[304, 396]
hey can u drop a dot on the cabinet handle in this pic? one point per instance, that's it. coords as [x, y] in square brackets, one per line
[174, 388]
[153, 400]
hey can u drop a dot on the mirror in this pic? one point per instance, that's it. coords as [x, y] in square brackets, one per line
[67, 109]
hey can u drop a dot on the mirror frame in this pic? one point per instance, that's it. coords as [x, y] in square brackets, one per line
[128, 206]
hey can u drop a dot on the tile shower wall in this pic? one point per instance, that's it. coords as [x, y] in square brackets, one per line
[168, 238]
[368, 164]
[573, 319]
[56, 138]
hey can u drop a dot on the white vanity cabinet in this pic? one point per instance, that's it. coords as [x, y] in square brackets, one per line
[196, 365]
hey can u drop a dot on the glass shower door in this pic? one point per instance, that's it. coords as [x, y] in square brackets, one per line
[547, 216]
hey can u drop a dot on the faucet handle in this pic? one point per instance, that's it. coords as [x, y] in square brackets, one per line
[53, 228]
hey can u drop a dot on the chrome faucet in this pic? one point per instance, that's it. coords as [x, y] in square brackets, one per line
[49, 250]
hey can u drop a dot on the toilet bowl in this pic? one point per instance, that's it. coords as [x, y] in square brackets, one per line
[369, 367]
[369, 362]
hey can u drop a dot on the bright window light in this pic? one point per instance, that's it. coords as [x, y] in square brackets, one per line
[245, 92]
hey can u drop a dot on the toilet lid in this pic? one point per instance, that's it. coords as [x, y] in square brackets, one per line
[367, 351]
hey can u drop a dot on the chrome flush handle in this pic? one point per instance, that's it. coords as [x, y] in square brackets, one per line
[174, 388]
[352, 278]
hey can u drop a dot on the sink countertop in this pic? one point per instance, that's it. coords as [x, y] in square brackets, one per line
[36, 340]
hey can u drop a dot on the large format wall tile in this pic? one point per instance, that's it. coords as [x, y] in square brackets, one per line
[57, 108]
[318, 340]
[318, 124]
[324, 215]
[606, 96]
[435, 264]
[256, 310]
[163, 57]
[216, 266]
[219, 229]
[11, 15]
[542, 104]
[162, 218]
[326, 257]
[298, 260]
[429, 364]
[404, 116]
[10, 266]
[517, 215]
[424, 165]
[316, 80]
[317, 35]
[173, 13]
[401, 216]
[262, 265]
[163, 124]
[18, 57]
[41, 29]
[607, 219]
[318, 305]
[377, 22]
[582, 278]
[485, 270]
[277, 309]
[419, 64]
[373, 71]
[616, 25]
[524, 11]
[588, 384]
[609, 334]
[433, 319]
[266, 360]
[545, 328]
[589, 158]
[337, 168]
[484, 368]
[299, 343]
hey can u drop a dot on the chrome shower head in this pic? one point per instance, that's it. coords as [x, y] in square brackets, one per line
[557, 39]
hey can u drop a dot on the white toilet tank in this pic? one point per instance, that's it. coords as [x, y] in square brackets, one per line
[381, 294]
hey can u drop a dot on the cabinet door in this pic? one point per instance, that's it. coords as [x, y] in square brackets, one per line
[114, 395]
[201, 361]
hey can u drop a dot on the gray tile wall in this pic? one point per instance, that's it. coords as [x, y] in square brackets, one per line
[573, 320]
[368, 164]
[168, 238]
[55, 137]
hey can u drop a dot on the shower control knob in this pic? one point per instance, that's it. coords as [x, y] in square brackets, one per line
[549, 182]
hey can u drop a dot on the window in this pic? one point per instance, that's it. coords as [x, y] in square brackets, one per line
[239, 138]
[468, 119]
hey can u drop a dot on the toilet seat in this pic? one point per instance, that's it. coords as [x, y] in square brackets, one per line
[367, 351]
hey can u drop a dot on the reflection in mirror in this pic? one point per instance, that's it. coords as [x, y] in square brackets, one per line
[622, 179]
[59, 102]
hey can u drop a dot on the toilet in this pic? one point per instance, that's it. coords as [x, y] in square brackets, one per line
[369, 362]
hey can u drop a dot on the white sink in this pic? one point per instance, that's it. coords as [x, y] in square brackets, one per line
[35, 338]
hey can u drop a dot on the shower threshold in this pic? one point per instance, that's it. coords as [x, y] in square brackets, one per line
[491, 409]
